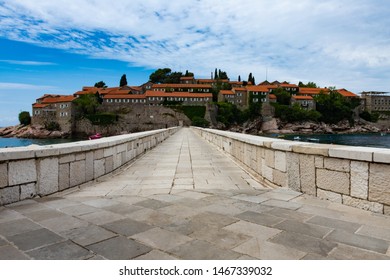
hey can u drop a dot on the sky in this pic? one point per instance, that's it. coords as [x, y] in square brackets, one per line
[59, 46]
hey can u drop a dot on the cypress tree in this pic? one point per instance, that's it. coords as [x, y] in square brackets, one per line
[123, 81]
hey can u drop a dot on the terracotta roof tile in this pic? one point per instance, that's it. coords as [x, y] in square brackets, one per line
[346, 93]
[302, 97]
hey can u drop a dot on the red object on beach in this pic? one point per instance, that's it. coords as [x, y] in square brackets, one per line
[95, 136]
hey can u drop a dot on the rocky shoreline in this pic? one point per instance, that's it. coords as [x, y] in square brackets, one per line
[31, 131]
[275, 126]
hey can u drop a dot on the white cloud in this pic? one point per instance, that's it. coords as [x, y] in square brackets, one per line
[27, 62]
[306, 39]
[21, 86]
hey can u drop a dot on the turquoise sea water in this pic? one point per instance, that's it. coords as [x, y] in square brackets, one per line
[376, 140]
[19, 142]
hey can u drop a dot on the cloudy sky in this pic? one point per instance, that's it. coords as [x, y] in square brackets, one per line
[57, 46]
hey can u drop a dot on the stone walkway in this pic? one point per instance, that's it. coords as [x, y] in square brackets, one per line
[187, 200]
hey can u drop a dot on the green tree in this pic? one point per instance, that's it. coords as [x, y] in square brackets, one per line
[239, 78]
[334, 107]
[100, 84]
[159, 75]
[123, 81]
[188, 74]
[87, 103]
[215, 74]
[308, 85]
[283, 97]
[24, 118]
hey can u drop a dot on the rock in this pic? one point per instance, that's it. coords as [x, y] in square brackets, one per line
[270, 126]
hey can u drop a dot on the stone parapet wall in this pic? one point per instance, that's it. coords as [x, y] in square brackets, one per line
[26, 172]
[354, 176]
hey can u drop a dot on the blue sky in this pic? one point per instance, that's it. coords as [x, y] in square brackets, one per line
[58, 46]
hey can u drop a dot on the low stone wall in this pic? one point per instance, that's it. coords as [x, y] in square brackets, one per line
[26, 172]
[354, 176]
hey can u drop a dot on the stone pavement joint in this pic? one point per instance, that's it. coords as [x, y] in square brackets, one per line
[184, 199]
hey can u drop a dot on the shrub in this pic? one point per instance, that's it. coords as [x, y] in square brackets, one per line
[201, 122]
[24, 118]
[102, 118]
[52, 126]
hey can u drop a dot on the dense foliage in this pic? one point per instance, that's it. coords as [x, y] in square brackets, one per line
[87, 103]
[166, 76]
[334, 107]
[102, 118]
[295, 113]
[52, 126]
[100, 84]
[24, 118]
[371, 117]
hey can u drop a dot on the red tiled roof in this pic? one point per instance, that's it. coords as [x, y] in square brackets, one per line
[260, 88]
[226, 92]
[58, 99]
[312, 91]
[346, 93]
[302, 97]
[157, 86]
[39, 105]
[240, 89]
[272, 96]
[151, 93]
[284, 85]
[124, 96]
[186, 78]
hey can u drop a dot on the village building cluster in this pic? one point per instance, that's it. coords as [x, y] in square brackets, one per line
[190, 91]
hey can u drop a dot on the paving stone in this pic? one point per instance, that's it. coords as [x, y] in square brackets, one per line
[224, 239]
[373, 231]
[63, 223]
[282, 204]
[333, 223]
[34, 239]
[251, 198]
[289, 214]
[151, 217]
[264, 250]
[152, 204]
[161, 239]
[100, 203]
[44, 214]
[304, 243]
[344, 252]
[18, 226]
[119, 248]
[127, 227]
[9, 252]
[202, 250]
[156, 255]
[254, 230]
[7, 215]
[360, 241]
[78, 210]
[180, 211]
[60, 251]
[122, 208]
[57, 202]
[259, 218]
[302, 228]
[101, 217]
[88, 235]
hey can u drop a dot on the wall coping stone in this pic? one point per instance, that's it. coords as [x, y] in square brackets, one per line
[28, 152]
[380, 155]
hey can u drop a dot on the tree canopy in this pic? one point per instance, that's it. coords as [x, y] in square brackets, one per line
[123, 81]
[87, 103]
[24, 118]
[100, 84]
[334, 107]
[166, 76]
[308, 85]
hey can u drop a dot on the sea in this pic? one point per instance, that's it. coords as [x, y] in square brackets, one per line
[376, 140]
[20, 142]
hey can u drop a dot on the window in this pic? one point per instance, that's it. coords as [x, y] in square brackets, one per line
[255, 100]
